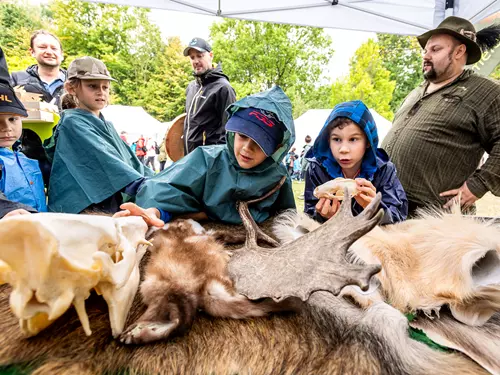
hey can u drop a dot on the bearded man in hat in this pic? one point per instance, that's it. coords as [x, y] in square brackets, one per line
[445, 125]
[207, 98]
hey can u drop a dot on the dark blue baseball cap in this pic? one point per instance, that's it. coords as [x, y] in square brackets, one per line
[260, 125]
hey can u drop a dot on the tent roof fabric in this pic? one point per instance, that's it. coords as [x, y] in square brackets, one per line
[409, 17]
[311, 122]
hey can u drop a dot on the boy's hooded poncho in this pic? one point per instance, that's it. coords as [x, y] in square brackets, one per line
[210, 180]
[91, 162]
[375, 166]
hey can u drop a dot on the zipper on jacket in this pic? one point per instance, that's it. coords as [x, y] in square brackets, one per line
[198, 93]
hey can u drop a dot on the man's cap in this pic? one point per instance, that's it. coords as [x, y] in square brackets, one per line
[88, 68]
[9, 102]
[460, 29]
[260, 125]
[198, 44]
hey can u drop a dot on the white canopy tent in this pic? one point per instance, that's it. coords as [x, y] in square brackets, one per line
[135, 121]
[311, 122]
[410, 17]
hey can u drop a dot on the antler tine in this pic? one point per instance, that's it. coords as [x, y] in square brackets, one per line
[345, 206]
[372, 208]
[248, 223]
[252, 229]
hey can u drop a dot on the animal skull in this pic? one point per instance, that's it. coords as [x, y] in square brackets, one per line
[335, 189]
[55, 260]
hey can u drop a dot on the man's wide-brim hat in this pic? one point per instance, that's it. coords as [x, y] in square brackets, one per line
[460, 29]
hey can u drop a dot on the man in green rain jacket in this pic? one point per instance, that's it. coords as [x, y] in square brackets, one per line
[210, 180]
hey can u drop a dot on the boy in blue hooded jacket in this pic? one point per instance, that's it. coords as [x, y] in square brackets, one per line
[207, 183]
[347, 147]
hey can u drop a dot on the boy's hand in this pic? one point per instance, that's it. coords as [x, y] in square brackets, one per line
[19, 211]
[367, 192]
[150, 215]
[327, 207]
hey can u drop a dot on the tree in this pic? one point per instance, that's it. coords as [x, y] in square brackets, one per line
[368, 81]
[403, 58]
[258, 55]
[165, 95]
[18, 21]
[150, 73]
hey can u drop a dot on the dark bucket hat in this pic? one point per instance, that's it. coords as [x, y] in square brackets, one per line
[460, 29]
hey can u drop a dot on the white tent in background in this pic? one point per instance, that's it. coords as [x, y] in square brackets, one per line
[311, 122]
[135, 121]
[410, 17]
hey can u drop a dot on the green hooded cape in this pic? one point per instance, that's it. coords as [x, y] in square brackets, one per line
[91, 162]
[210, 180]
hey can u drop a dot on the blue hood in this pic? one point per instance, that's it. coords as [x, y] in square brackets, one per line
[357, 111]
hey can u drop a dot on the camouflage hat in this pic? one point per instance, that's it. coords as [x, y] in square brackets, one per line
[88, 68]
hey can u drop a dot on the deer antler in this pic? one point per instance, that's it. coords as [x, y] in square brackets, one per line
[253, 231]
[314, 262]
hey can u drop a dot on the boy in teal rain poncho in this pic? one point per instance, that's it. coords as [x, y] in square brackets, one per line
[208, 182]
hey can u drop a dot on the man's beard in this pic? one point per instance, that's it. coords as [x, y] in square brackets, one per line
[432, 76]
[50, 64]
[201, 74]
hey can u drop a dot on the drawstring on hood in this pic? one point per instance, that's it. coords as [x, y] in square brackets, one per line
[357, 112]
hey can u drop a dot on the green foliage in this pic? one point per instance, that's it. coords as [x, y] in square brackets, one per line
[257, 55]
[403, 58]
[496, 73]
[18, 21]
[368, 81]
[150, 73]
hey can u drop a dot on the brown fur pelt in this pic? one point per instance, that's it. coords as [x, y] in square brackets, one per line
[331, 336]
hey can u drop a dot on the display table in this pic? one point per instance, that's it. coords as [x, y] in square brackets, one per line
[43, 127]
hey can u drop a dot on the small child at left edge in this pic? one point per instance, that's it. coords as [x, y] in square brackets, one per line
[21, 182]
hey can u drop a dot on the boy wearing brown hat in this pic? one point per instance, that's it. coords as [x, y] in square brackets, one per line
[446, 124]
[21, 183]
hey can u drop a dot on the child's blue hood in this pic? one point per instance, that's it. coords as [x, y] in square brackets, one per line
[357, 111]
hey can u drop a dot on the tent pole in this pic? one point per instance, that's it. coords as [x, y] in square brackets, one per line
[449, 8]
[482, 10]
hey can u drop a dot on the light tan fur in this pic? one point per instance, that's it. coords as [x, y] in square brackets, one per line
[427, 262]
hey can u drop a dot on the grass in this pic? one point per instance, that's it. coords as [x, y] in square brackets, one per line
[298, 190]
[489, 205]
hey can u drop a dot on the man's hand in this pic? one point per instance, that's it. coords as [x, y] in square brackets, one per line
[367, 192]
[327, 208]
[19, 211]
[150, 215]
[467, 199]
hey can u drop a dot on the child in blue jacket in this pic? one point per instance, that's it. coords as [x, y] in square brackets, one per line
[21, 183]
[347, 147]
